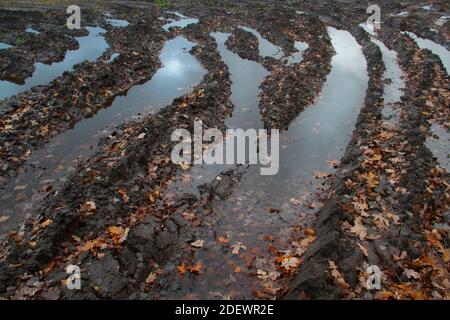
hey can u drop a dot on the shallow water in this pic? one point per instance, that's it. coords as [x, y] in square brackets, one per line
[118, 23]
[266, 48]
[368, 27]
[114, 56]
[394, 84]
[246, 77]
[5, 46]
[50, 165]
[442, 20]
[31, 30]
[91, 48]
[318, 135]
[297, 56]
[401, 14]
[439, 145]
[181, 23]
[434, 47]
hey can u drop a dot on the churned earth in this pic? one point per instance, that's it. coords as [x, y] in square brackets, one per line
[86, 118]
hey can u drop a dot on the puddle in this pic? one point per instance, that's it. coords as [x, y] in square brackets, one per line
[118, 23]
[297, 57]
[114, 56]
[50, 165]
[266, 48]
[182, 23]
[439, 144]
[401, 14]
[246, 77]
[441, 21]
[427, 7]
[31, 30]
[394, 84]
[319, 135]
[91, 47]
[434, 47]
[5, 46]
[369, 28]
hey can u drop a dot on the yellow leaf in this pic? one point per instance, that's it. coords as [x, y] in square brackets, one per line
[46, 223]
[150, 278]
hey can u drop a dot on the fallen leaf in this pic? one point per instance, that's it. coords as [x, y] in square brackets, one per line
[46, 223]
[151, 278]
[320, 174]
[363, 249]
[411, 274]
[338, 279]
[123, 193]
[237, 247]
[359, 229]
[181, 269]
[383, 295]
[185, 165]
[310, 231]
[196, 268]
[88, 207]
[290, 263]
[223, 239]
[197, 243]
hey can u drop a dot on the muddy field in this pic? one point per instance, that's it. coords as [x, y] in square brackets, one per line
[87, 179]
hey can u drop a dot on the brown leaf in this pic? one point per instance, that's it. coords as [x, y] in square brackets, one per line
[151, 278]
[46, 223]
[198, 243]
[363, 249]
[222, 239]
[237, 247]
[123, 193]
[359, 229]
[88, 207]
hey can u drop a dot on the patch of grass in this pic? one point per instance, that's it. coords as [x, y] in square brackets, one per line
[19, 41]
[161, 3]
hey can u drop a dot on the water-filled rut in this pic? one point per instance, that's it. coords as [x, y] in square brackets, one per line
[51, 165]
[263, 213]
[91, 47]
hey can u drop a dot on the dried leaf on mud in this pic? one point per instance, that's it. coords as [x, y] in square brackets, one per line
[237, 247]
[222, 239]
[338, 279]
[151, 278]
[195, 269]
[198, 243]
[363, 249]
[358, 229]
[88, 208]
[4, 218]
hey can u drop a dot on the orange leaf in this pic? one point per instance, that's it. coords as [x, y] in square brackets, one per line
[223, 239]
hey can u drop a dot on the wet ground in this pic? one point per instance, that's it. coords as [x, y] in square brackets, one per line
[363, 159]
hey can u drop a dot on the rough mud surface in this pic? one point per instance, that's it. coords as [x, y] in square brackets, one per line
[116, 216]
[244, 44]
[49, 46]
